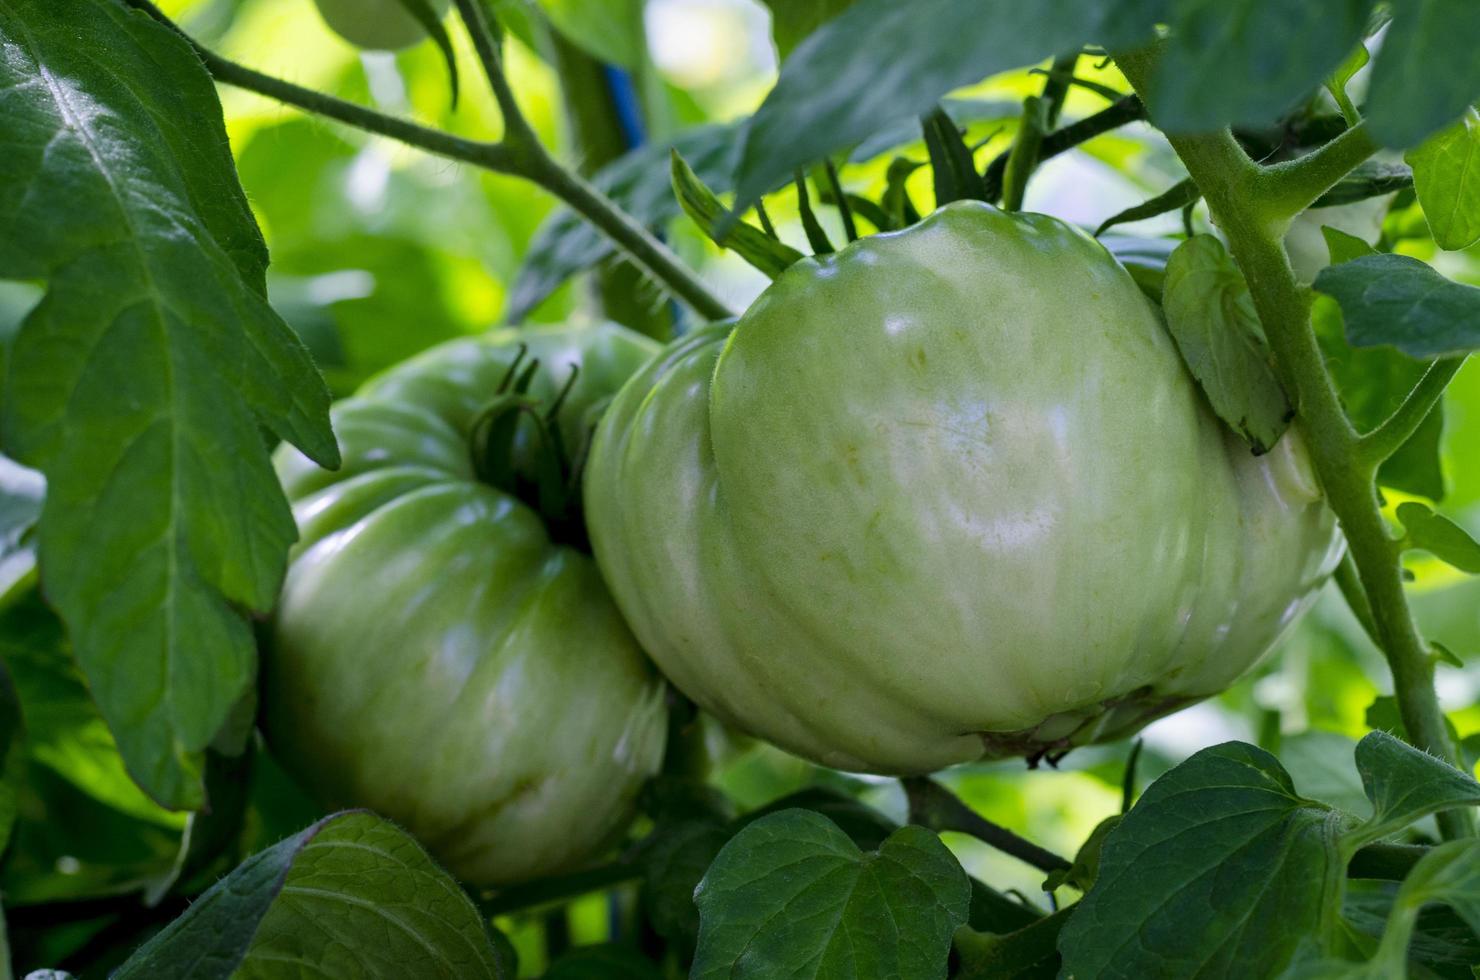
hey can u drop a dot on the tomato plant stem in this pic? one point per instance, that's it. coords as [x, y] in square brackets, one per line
[935, 807]
[518, 154]
[1247, 203]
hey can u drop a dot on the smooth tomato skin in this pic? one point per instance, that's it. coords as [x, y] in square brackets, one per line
[378, 25]
[947, 494]
[434, 656]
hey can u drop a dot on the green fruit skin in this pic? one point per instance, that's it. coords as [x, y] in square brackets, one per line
[945, 495]
[434, 656]
[378, 25]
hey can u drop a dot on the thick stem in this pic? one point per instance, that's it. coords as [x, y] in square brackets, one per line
[935, 807]
[1380, 444]
[1286, 189]
[1231, 184]
[1350, 583]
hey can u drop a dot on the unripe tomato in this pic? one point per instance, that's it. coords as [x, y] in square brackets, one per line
[947, 494]
[380, 25]
[435, 656]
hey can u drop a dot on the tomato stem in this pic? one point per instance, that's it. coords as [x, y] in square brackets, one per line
[1252, 204]
[519, 153]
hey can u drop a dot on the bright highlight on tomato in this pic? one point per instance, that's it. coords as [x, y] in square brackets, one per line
[435, 656]
[379, 25]
[950, 493]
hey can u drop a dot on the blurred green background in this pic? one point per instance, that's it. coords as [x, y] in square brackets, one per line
[380, 251]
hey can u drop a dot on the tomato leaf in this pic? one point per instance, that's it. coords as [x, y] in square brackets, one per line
[395, 914]
[1211, 317]
[791, 891]
[1446, 175]
[139, 384]
[1426, 73]
[640, 182]
[1441, 941]
[1405, 784]
[1249, 861]
[750, 243]
[1400, 301]
[832, 93]
[1278, 51]
[1440, 537]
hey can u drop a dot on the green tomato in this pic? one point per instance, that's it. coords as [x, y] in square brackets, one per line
[948, 494]
[434, 656]
[379, 25]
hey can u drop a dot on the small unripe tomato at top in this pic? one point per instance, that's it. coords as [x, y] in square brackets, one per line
[948, 494]
[379, 25]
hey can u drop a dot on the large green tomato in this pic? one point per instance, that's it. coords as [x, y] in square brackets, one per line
[948, 494]
[380, 25]
[435, 656]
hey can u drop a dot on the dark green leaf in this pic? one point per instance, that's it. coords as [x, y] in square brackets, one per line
[832, 92]
[1426, 73]
[1177, 197]
[792, 895]
[1400, 301]
[1406, 784]
[1440, 537]
[865, 826]
[1372, 179]
[951, 161]
[673, 866]
[213, 832]
[1030, 953]
[609, 962]
[793, 20]
[139, 384]
[1247, 860]
[1211, 317]
[750, 243]
[394, 913]
[1249, 61]
[1446, 175]
[641, 183]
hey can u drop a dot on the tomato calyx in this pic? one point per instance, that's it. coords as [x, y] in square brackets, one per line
[517, 447]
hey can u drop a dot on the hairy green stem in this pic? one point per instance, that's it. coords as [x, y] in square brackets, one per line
[1380, 444]
[521, 156]
[1233, 185]
[1286, 189]
[1350, 583]
[1040, 115]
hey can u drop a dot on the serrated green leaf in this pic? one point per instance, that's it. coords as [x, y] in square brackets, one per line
[1279, 52]
[791, 893]
[394, 914]
[1175, 198]
[1405, 784]
[640, 182]
[139, 385]
[831, 93]
[1211, 317]
[1440, 537]
[1399, 301]
[1249, 861]
[750, 243]
[1446, 176]
[1426, 73]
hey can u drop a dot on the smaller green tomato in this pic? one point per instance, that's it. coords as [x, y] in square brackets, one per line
[379, 25]
[438, 654]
